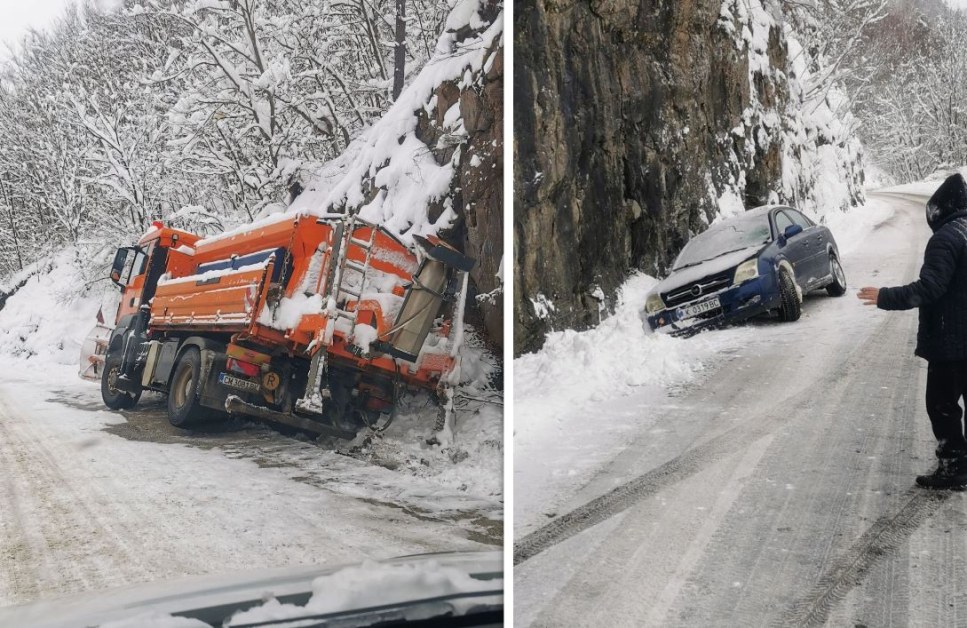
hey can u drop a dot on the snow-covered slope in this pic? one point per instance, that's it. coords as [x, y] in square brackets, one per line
[389, 174]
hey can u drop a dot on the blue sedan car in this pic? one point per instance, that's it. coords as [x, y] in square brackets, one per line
[761, 261]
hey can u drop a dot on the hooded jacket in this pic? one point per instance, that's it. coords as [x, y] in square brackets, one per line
[941, 290]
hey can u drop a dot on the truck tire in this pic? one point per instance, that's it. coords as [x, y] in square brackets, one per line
[184, 409]
[791, 309]
[113, 398]
[838, 287]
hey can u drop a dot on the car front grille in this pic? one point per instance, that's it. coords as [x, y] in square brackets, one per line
[698, 289]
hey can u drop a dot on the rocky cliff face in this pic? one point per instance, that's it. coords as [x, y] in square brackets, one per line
[636, 124]
[477, 190]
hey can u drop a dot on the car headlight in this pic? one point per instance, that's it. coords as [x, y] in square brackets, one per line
[746, 271]
[654, 303]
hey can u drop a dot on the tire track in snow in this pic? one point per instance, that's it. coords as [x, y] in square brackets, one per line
[685, 465]
[879, 540]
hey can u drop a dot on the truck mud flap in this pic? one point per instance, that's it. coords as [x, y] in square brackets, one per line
[236, 406]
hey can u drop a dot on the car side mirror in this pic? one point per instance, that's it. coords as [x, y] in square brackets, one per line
[792, 230]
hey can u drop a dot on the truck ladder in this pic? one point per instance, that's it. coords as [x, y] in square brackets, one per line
[343, 291]
[316, 395]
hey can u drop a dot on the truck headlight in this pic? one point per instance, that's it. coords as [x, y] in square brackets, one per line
[746, 271]
[654, 304]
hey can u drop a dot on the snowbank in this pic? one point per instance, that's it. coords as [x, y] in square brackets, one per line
[475, 462]
[576, 369]
[48, 318]
[928, 186]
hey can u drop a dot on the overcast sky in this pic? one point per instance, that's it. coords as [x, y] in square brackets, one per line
[18, 16]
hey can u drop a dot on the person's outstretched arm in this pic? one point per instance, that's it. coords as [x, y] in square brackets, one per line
[939, 264]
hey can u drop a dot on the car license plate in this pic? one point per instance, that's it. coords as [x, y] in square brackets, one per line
[238, 383]
[700, 308]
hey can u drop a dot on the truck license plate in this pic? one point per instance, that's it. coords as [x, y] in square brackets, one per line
[701, 308]
[238, 382]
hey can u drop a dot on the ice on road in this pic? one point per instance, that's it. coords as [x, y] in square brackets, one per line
[771, 486]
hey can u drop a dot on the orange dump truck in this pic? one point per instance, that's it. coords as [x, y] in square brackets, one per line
[318, 323]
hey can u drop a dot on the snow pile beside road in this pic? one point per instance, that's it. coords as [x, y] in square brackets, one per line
[48, 318]
[615, 358]
[562, 436]
[474, 464]
[929, 185]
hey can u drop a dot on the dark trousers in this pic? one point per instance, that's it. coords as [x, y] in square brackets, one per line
[946, 384]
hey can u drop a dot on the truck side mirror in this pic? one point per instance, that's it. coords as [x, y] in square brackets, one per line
[118, 267]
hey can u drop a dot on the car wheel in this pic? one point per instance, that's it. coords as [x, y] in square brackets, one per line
[184, 408]
[114, 398]
[790, 308]
[838, 287]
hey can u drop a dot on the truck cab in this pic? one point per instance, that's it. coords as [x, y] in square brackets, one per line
[137, 269]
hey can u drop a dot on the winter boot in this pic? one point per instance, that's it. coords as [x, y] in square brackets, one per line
[951, 473]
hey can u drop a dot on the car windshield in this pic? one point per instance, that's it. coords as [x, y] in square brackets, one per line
[733, 235]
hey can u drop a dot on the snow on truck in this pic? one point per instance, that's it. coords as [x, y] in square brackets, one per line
[314, 322]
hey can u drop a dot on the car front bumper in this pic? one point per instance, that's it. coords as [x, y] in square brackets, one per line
[738, 303]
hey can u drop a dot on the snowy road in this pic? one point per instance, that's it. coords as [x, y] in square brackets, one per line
[91, 500]
[777, 489]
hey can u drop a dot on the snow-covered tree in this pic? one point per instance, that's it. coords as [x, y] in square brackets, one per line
[201, 112]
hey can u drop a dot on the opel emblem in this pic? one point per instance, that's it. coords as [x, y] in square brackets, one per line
[696, 290]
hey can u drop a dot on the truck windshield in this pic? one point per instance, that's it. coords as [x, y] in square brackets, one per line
[735, 234]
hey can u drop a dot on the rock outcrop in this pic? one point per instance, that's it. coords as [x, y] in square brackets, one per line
[477, 189]
[636, 124]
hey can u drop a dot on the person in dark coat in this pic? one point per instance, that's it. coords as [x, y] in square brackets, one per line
[941, 295]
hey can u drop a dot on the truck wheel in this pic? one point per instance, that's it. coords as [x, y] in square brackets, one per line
[838, 287]
[113, 398]
[790, 309]
[184, 408]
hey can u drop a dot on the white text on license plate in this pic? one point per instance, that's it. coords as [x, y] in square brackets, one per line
[701, 308]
